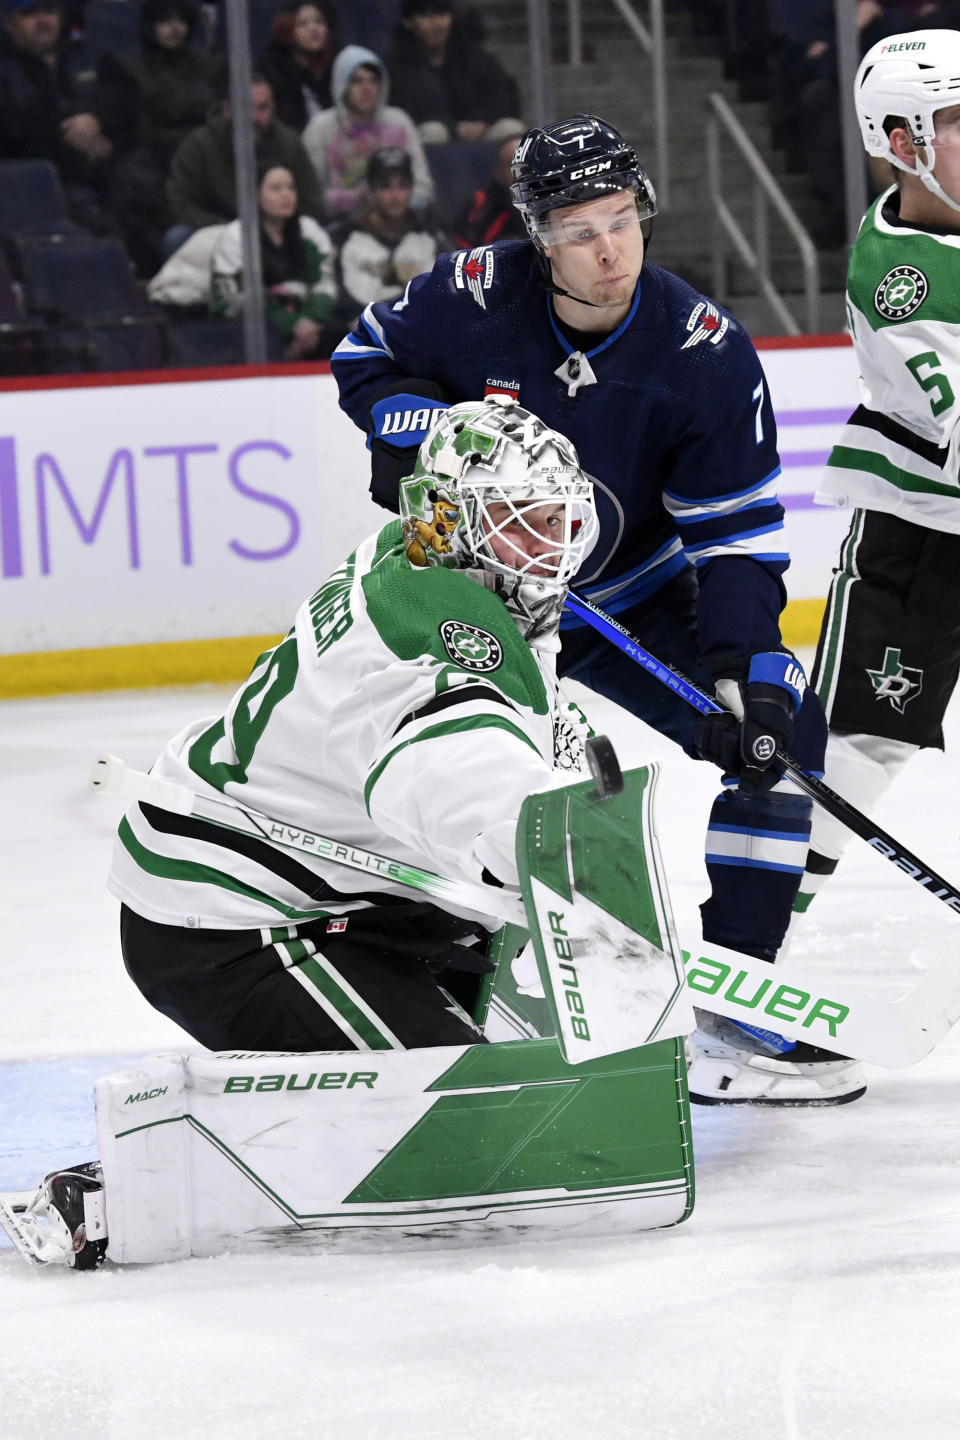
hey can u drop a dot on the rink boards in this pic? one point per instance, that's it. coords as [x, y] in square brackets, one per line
[163, 530]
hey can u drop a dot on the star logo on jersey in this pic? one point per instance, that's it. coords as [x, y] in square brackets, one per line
[473, 271]
[470, 648]
[705, 323]
[895, 682]
[901, 292]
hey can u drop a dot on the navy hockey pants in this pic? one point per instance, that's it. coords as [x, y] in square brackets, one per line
[756, 845]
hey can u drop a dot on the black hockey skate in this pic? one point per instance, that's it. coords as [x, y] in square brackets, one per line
[63, 1221]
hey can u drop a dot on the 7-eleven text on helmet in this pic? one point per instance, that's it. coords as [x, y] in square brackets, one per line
[912, 81]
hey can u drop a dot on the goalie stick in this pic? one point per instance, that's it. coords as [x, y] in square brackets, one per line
[879, 840]
[112, 776]
[836, 1015]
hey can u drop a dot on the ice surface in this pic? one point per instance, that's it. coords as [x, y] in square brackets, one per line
[813, 1295]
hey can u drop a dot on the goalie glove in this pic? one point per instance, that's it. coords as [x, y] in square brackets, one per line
[761, 702]
[399, 421]
[571, 731]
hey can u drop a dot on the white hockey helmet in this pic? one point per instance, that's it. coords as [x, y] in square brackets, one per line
[910, 77]
[496, 491]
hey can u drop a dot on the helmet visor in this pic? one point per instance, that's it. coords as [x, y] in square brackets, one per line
[581, 224]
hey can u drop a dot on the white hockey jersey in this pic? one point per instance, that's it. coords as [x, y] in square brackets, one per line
[900, 450]
[403, 713]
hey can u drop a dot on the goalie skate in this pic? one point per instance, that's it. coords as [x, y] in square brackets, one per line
[730, 1064]
[63, 1221]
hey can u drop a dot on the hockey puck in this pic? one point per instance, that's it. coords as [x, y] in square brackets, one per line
[604, 766]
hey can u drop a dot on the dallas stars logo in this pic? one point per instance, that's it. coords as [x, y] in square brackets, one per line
[470, 647]
[901, 292]
[895, 682]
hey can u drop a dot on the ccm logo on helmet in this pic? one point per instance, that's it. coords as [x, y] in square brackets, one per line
[590, 170]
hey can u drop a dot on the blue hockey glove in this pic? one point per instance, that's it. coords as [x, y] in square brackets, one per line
[762, 704]
[399, 420]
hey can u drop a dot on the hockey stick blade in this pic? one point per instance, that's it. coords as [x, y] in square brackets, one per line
[879, 840]
[835, 1014]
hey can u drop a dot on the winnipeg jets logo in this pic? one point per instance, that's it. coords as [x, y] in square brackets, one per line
[473, 271]
[705, 323]
[901, 292]
[895, 682]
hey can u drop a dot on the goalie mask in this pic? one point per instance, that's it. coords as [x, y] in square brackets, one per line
[909, 77]
[498, 493]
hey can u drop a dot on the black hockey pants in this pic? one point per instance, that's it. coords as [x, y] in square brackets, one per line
[374, 984]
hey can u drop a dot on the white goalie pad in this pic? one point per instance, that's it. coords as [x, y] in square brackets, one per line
[203, 1154]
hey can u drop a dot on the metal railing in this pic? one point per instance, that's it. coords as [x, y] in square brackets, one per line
[766, 195]
[651, 40]
[650, 37]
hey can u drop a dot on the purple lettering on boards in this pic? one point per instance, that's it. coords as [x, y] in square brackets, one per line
[181, 452]
[274, 500]
[88, 533]
[11, 547]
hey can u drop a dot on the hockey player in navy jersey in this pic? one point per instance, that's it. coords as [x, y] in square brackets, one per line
[665, 399]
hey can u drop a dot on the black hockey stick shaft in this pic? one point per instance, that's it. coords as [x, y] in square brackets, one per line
[879, 840]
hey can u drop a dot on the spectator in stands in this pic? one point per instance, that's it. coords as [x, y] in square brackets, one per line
[451, 86]
[384, 243]
[299, 269]
[298, 59]
[201, 189]
[370, 23]
[814, 86]
[60, 102]
[491, 214]
[340, 141]
[177, 85]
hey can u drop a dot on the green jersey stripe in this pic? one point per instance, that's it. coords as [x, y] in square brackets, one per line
[449, 727]
[843, 457]
[826, 672]
[197, 874]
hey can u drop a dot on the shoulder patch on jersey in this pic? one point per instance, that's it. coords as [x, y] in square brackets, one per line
[705, 323]
[473, 271]
[470, 647]
[408, 607]
[901, 291]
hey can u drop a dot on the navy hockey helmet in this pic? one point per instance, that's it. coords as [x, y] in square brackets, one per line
[573, 161]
